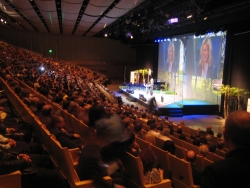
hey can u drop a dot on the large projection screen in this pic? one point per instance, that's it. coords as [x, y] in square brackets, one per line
[192, 66]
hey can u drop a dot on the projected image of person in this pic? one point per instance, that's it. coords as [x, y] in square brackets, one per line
[171, 65]
[206, 69]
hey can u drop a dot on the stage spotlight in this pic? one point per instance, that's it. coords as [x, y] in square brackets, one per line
[189, 16]
[42, 68]
[105, 35]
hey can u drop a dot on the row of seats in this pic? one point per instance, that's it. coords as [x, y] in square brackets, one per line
[64, 159]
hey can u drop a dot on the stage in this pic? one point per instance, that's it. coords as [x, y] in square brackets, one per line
[170, 104]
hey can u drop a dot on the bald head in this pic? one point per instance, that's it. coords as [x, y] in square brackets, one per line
[203, 150]
[237, 129]
[191, 156]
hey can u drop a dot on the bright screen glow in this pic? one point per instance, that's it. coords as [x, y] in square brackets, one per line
[192, 66]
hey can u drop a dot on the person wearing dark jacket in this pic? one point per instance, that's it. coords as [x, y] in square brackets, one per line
[37, 170]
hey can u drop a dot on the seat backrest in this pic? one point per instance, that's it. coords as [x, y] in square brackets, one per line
[142, 143]
[177, 141]
[11, 180]
[180, 152]
[134, 169]
[181, 172]
[207, 162]
[162, 157]
[189, 146]
[176, 135]
[213, 139]
[65, 161]
[199, 162]
[189, 140]
[210, 156]
[159, 142]
[217, 158]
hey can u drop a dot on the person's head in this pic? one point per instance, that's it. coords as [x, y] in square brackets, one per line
[166, 132]
[169, 146]
[206, 52]
[137, 127]
[179, 130]
[203, 150]
[40, 105]
[211, 147]
[203, 140]
[148, 159]
[171, 53]
[34, 101]
[190, 156]
[46, 110]
[57, 121]
[208, 138]
[196, 141]
[182, 137]
[144, 115]
[219, 135]
[152, 126]
[126, 122]
[220, 145]
[237, 130]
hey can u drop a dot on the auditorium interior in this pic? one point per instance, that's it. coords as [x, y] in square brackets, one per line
[85, 51]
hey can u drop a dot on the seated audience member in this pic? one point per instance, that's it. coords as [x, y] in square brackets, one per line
[209, 130]
[179, 130]
[149, 137]
[233, 171]
[211, 147]
[128, 125]
[37, 170]
[39, 108]
[66, 137]
[151, 172]
[153, 130]
[45, 117]
[203, 150]
[165, 132]
[220, 145]
[169, 146]
[196, 141]
[208, 138]
[192, 136]
[196, 173]
[33, 104]
[144, 117]
[138, 129]
[203, 140]
[89, 166]
[182, 137]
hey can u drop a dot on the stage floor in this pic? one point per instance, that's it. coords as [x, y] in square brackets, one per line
[173, 105]
[168, 99]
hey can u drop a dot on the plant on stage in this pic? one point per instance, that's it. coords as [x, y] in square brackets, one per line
[233, 98]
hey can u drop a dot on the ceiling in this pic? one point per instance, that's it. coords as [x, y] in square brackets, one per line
[118, 19]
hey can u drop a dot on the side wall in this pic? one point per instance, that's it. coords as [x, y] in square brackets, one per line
[102, 55]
